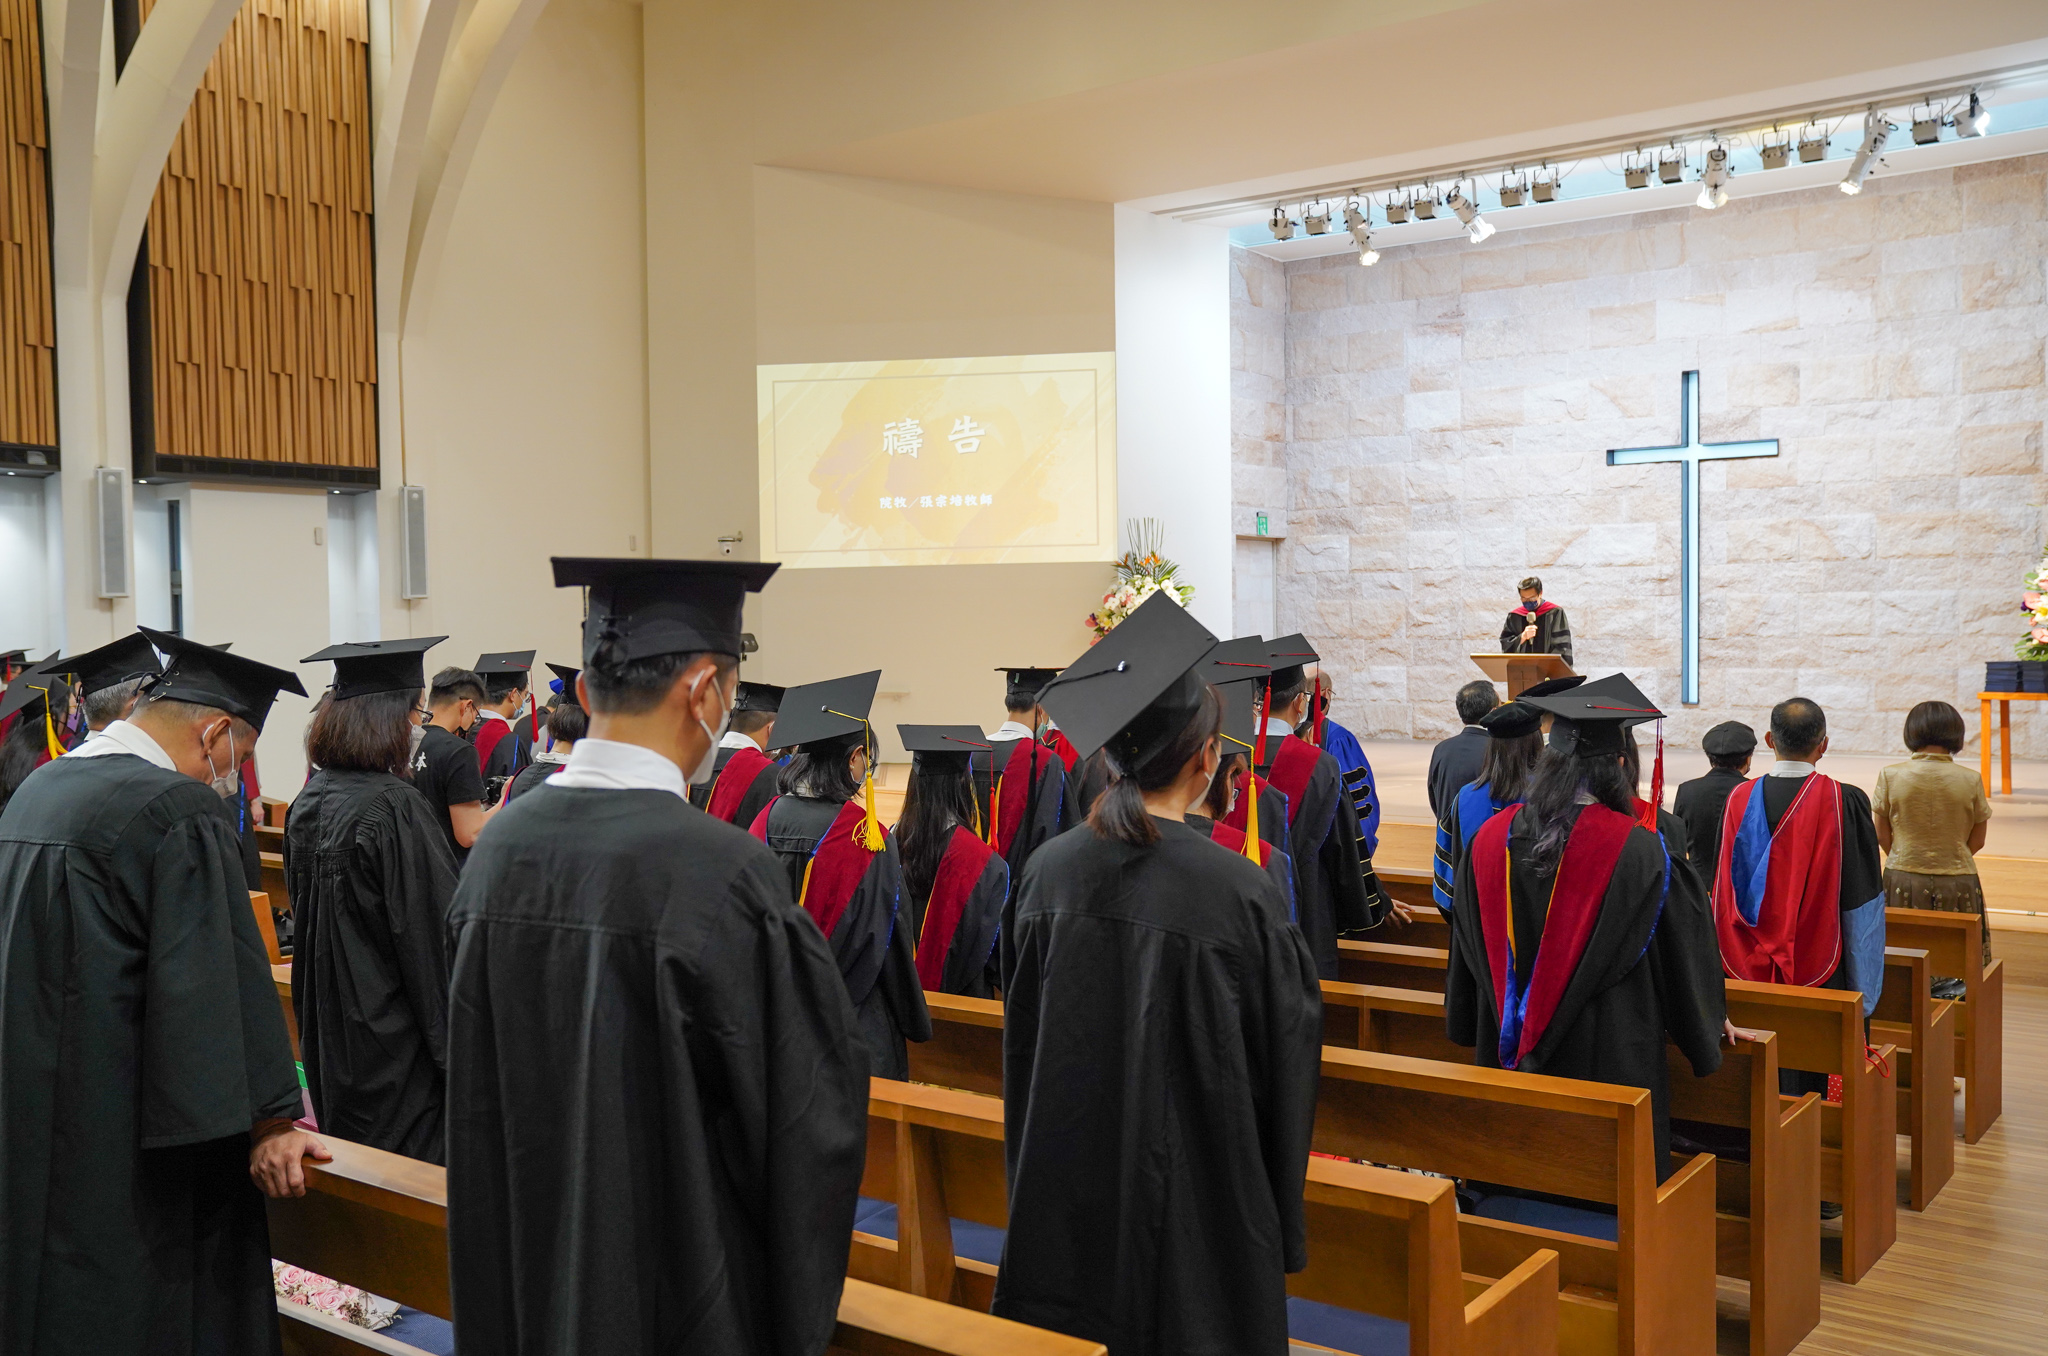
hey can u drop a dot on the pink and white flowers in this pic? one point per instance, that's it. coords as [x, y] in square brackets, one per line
[332, 1298]
[1140, 572]
[2034, 603]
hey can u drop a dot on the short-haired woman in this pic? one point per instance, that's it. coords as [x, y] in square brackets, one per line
[371, 875]
[1931, 820]
[567, 723]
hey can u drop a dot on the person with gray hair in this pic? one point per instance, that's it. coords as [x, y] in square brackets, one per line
[150, 1086]
[1455, 761]
[110, 680]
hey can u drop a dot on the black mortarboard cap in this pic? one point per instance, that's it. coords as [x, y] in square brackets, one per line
[1236, 661]
[1240, 715]
[1136, 688]
[1288, 656]
[827, 710]
[657, 607]
[503, 662]
[947, 746]
[1026, 683]
[565, 677]
[29, 684]
[1550, 687]
[226, 682]
[1588, 720]
[759, 697]
[1511, 720]
[131, 656]
[373, 666]
[1729, 738]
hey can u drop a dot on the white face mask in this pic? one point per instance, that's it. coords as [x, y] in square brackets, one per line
[710, 758]
[225, 784]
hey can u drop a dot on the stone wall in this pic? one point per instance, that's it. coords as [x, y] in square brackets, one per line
[1440, 422]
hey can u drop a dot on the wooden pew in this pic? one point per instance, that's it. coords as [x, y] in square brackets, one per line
[280, 968]
[1380, 1242]
[266, 925]
[379, 1221]
[1953, 947]
[1922, 1029]
[281, 979]
[273, 876]
[1654, 1298]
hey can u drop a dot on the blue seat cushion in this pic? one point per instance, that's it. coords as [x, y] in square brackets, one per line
[436, 1335]
[1564, 1219]
[981, 1242]
[1345, 1329]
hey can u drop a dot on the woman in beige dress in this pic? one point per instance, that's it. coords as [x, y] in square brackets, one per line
[1931, 821]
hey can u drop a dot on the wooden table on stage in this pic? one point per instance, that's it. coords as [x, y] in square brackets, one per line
[1521, 671]
[1984, 728]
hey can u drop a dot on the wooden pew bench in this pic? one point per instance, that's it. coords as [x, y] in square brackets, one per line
[379, 1221]
[1921, 1029]
[1831, 1027]
[1767, 1200]
[1384, 1269]
[1954, 950]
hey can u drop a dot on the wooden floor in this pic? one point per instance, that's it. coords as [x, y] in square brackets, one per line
[1970, 1275]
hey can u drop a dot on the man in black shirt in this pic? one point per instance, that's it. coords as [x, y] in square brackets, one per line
[445, 766]
[1454, 762]
[1728, 747]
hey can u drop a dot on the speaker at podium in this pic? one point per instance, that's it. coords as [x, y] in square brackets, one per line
[1522, 671]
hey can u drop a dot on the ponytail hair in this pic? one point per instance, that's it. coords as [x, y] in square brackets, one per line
[1119, 813]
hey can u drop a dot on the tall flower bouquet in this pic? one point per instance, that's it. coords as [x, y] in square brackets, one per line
[1141, 571]
[2034, 602]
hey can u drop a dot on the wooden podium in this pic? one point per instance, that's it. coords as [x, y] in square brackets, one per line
[1521, 671]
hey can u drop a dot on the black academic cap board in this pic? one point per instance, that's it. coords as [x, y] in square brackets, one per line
[1729, 738]
[814, 711]
[227, 682]
[948, 746]
[1551, 686]
[371, 666]
[1240, 715]
[131, 656]
[1237, 661]
[565, 679]
[1288, 656]
[504, 661]
[759, 697]
[1024, 684]
[1588, 719]
[1137, 687]
[1511, 720]
[31, 683]
[656, 607]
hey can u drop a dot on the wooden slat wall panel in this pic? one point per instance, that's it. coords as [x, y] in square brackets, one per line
[262, 322]
[28, 321]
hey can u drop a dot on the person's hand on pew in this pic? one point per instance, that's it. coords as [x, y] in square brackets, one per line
[1734, 1034]
[275, 1148]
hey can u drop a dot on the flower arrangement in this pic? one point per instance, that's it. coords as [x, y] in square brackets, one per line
[1141, 571]
[332, 1298]
[2034, 602]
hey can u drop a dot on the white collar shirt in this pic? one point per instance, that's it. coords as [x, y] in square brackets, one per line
[121, 737]
[1785, 767]
[1011, 729]
[608, 765]
[733, 739]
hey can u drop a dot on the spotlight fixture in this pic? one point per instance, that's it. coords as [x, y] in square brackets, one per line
[1316, 220]
[1360, 226]
[1281, 227]
[1671, 166]
[1425, 208]
[1775, 154]
[1476, 226]
[1635, 172]
[1544, 190]
[1513, 192]
[1876, 131]
[1813, 145]
[1926, 126]
[1974, 122]
[1397, 211]
[1714, 179]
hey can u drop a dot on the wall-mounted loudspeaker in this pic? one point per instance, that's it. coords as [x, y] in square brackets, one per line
[110, 498]
[413, 542]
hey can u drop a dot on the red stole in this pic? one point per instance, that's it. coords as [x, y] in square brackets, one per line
[959, 872]
[1545, 606]
[1791, 881]
[1013, 791]
[1064, 747]
[1246, 793]
[1224, 835]
[838, 864]
[1588, 862]
[734, 781]
[1293, 764]
[487, 739]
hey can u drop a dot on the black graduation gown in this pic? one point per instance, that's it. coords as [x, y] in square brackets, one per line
[1055, 806]
[512, 752]
[1162, 1035]
[1279, 865]
[970, 966]
[371, 877]
[1453, 764]
[657, 1104]
[1553, 635]
[140, 1039]
[1090, 780]
[874, 948]
[530, 776]
[700, 792]
[1335, 891]
[1699, 803]
[1651, 973]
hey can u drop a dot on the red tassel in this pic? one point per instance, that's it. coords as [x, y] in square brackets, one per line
[1265, 714]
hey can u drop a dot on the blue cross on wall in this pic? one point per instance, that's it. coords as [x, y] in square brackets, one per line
[1689, 455]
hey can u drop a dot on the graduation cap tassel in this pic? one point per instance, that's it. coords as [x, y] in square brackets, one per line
[1251, 816]
[49, 726]
[1265, 714]
[870, 827]
[1656, 784]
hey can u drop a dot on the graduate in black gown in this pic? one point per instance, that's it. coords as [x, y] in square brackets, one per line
[144, 1064]
[507, 731]
[1161, 1038]
[1027, 795]
[566, 723]
[371, 876]
[1218, 815]
[1514, 740]
[744, 777]
[842, 865]
[1578, 947]
[657, 1102]
[1699, 802]
[957, 885]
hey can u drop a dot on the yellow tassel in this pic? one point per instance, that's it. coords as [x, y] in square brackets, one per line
[1251, 816]
[805, 893]
[995, 806]
[871, 828]
[50, 726]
